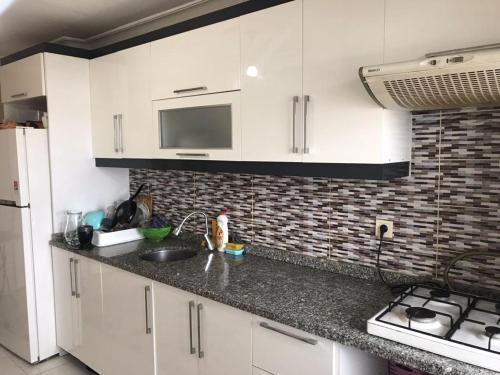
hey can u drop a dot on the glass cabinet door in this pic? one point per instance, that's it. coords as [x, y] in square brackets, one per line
[203, 126]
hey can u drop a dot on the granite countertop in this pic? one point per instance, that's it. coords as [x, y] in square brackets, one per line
[328, 304]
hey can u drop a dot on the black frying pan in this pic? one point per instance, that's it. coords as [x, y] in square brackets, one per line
[126, 210]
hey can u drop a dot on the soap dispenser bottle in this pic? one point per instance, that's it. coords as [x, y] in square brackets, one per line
[222, 236]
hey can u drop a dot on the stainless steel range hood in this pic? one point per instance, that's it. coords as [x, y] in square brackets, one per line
[450, 79]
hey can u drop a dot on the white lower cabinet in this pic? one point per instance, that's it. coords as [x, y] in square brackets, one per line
[127, 329]
[198, 336]
[282, 350]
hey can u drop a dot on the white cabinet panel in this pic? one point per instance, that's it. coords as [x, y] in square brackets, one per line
[201, 61]
[414, 28]
[226, 339]
[23, 79]
[63, 284]
[271, 71]
[279, 349]
[343, 124]
[175, 331]
[121, 104]
[127, 324]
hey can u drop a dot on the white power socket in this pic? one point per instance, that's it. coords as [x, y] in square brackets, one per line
[390, 226]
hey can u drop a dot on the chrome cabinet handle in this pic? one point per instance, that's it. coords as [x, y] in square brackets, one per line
[147, 294]
[307, 99]
[20, 95]
[77, 287]
[295, 150]
[199, 88]
[193, 154]
[289, 334]
[71, 260]
[201, 354]
[115, 125]
[192, 349]
[120, 128]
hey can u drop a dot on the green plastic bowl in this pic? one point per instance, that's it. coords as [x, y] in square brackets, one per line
[156, 234]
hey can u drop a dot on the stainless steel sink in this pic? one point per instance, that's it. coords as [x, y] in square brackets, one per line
[169, 255]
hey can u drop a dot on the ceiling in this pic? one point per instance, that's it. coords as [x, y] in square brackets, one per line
[24, 23]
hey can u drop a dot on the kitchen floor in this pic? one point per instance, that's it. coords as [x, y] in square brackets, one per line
[67, 365]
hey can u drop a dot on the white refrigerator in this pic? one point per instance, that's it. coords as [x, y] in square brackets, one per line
[27, 318]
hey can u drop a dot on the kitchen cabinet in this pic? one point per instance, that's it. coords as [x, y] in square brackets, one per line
[342, 124]
[199, 336]
[279, 349]
[201, 61]
[205, 127]
[127, 324]
[77, 289]
[271, 71]
[121, 104]
[23, 79]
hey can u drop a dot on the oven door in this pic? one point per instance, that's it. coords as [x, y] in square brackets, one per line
[203, 127]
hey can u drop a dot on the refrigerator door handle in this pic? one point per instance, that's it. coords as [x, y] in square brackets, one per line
[12, 204]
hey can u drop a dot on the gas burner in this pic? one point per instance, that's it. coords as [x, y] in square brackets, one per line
[440, 294]
[420, 314]
[492, 331]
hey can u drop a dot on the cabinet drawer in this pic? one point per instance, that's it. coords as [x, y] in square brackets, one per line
[23, 79]
[283, 350]
[201, 61]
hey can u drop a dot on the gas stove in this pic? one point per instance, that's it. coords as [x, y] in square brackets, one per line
[455, 325]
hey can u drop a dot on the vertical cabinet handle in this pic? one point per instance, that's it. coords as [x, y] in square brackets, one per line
[147, 299]
[201, 354]
[192, 349]
[307, 99]
[115, 130]
[77, 286]
[71, 260]
[295, 150]
[120, 126]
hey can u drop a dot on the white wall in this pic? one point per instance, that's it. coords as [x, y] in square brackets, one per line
[76, 182]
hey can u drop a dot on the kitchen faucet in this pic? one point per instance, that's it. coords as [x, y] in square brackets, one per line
[177, 230]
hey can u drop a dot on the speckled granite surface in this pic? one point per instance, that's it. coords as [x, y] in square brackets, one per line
[325, 303]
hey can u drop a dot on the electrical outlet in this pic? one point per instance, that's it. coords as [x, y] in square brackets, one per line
[390, 226]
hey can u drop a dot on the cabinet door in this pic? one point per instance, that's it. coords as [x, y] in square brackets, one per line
[283, 350]
[342, 123]
[175, 331]
[121, 104]
[201, 61]
[88, 313]
[271, 96]
[23, 79]
[63, 294]
[127, 336]
[225, 342]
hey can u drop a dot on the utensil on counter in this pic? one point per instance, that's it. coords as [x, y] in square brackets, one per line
[126, 210]
[85, 234]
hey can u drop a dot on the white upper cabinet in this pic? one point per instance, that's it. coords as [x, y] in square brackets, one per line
[414, 28]
[201, 61]
[342, 124]
[121, 104]
[271, 71]
[22, 79]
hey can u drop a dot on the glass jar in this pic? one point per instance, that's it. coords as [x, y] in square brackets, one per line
[73, 221]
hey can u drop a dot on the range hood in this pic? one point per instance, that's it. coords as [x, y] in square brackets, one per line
[451, 79]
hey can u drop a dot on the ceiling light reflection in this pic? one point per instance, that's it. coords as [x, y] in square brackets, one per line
[4, 4]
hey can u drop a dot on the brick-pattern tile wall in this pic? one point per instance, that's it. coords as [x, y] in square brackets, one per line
[450, 204]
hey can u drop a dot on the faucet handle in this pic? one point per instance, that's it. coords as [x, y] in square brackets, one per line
[177, 231]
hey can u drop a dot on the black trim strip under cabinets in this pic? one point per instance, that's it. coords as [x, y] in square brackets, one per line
[191, 24]
[331, 170]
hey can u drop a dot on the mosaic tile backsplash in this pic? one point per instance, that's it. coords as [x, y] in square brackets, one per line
[449, 205]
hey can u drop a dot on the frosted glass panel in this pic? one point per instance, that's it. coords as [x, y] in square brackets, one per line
[196, 127]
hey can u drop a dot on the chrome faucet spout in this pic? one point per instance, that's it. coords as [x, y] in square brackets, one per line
[177, 231]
